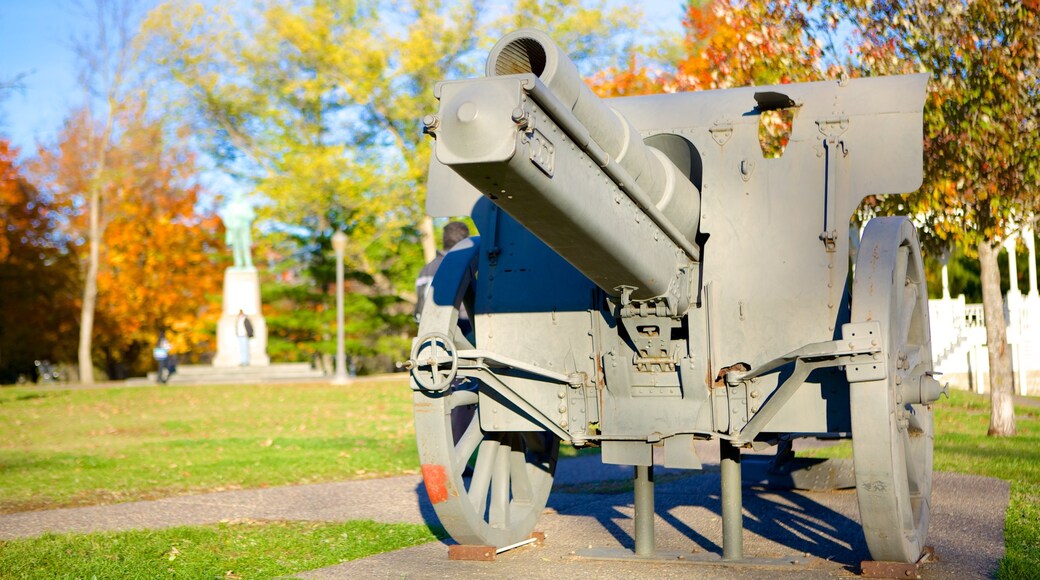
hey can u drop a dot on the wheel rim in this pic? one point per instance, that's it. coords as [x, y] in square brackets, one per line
[496, 501]
[892, 440]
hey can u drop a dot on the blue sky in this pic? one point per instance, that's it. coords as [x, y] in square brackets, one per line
[34, 41]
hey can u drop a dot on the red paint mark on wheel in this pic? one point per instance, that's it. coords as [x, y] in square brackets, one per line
[436, 480]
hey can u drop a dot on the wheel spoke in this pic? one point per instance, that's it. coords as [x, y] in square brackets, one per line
[906, 310]
[461, 398]
[522, 490]
[901, 469]
[478, 487]
[915, 363]
[499, 514]
[467, 445]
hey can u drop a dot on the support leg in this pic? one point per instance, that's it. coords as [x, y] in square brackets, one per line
[644, 492]
[732, 508]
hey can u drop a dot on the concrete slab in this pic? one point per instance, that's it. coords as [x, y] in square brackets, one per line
[967, 531]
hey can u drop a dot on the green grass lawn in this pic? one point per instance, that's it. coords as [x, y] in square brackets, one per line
[961, 445]
[81, 447]
[246, 549]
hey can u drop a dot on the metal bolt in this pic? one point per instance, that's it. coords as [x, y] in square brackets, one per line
[519, 116]
[466, 112]
[430, 123]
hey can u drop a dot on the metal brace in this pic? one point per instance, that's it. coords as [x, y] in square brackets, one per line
[859, 339]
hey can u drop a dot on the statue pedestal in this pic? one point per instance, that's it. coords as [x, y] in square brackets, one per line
[241, 292]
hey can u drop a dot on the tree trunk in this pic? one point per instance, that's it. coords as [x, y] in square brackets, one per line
[429, 240]
[86, 318]
[1002, 410]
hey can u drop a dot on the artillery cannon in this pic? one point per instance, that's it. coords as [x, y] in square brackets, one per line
[645, 278]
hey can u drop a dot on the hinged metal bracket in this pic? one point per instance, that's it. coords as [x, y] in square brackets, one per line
[833, 126]
[652, 337]
[866, 366]
[661, 306]
[721, 131]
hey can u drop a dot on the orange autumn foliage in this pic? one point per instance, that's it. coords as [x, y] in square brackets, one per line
[728, 43]
[37, 277]
[635, 79]
[160, 258]
[733, 43]
[11, 196]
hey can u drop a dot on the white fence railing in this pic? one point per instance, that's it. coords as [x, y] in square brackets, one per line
[959, 341]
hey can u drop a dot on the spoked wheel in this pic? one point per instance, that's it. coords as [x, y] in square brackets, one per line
[488, 488]
[892, 430]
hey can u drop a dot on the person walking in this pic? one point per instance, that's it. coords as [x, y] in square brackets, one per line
[167, 363]
[244, 331]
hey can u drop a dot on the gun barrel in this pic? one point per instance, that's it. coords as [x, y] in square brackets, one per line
[541, 146]
[668, 188]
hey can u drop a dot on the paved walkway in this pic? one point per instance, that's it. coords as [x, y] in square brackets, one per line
[966, 526]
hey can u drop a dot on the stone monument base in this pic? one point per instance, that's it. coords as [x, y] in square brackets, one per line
[241, 292]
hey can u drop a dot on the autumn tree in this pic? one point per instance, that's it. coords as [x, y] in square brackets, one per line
[159, 258]
[735, 43]
[106, 61]
[162, 256]
[982, 174]
[38, 276]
